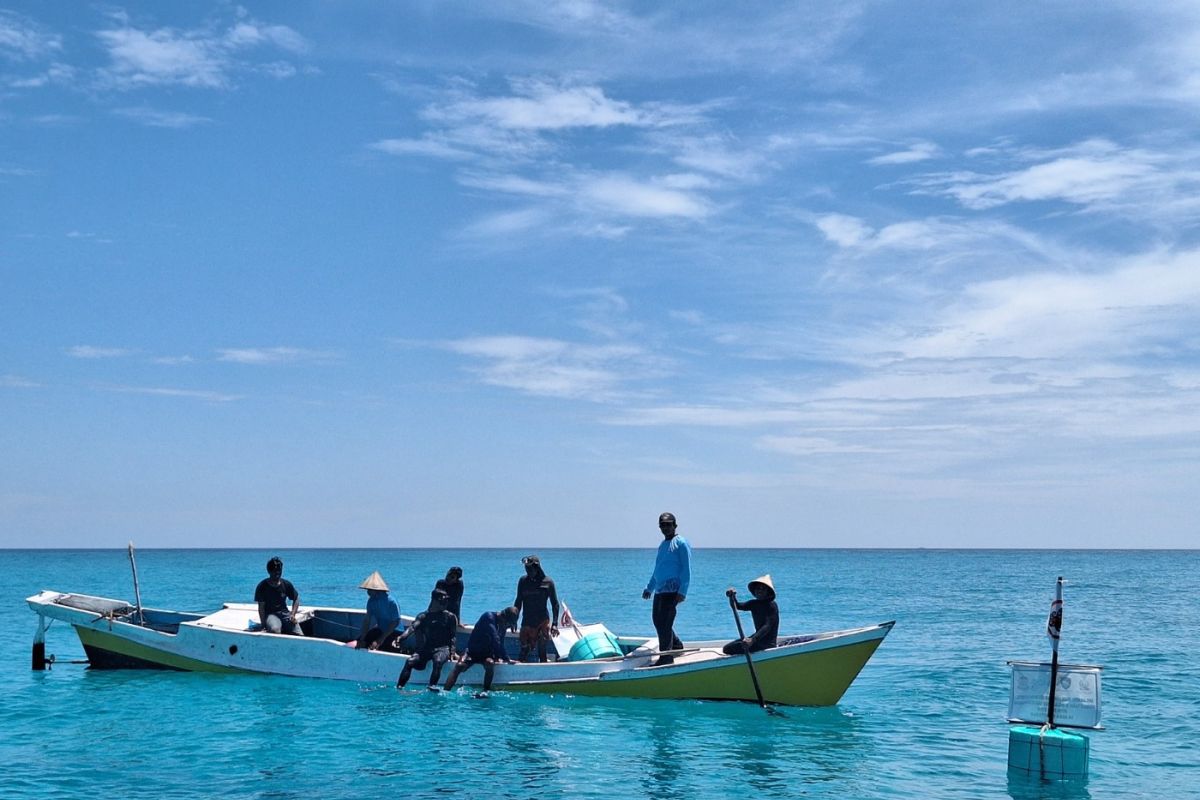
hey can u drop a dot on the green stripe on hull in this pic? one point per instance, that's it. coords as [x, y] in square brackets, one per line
[112, 643]
[809, 679]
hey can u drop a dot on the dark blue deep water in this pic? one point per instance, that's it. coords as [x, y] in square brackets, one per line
[925, 719]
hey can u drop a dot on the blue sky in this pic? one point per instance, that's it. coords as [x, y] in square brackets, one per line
[529, 273]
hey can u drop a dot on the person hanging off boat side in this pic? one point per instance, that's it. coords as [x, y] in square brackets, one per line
[453, 586]
[765, 612]
[534, 592]
[436, 628]
[382, 617]
[486, 646]
[668, 585]
[272, 594]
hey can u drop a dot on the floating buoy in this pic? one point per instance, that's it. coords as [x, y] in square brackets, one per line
[1050, 753]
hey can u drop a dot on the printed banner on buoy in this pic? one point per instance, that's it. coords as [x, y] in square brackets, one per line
[1076, 694]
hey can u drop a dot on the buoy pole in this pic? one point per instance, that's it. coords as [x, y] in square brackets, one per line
[137, 592]
[39, 646]
[1054, 630]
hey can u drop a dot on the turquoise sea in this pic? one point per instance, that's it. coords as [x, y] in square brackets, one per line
[925, 719]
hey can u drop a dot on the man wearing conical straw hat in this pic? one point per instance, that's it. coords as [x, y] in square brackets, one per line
[766, 617]
[383, 615]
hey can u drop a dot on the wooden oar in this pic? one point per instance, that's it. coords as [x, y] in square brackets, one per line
[749, 661]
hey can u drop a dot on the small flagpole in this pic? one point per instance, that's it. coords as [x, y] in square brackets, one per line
[1054, 630]
[137, 592]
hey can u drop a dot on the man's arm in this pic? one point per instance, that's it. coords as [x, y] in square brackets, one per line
[553, 608]
[684, 553]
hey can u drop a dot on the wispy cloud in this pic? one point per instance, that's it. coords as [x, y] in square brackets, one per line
[273, 355]
[203, 58]
[18, 382]
[921, 151]
[22, 39]
[551, 367]
[155, 118]
[187, 394]
[1094, 173]
[91, 351]
[1143, 305]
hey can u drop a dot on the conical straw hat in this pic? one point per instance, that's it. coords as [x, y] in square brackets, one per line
[765, 580]
[374, 581]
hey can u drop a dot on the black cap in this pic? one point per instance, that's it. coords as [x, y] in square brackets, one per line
[439, 594]
[666, 516]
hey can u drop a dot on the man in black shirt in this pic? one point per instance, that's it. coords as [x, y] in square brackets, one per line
[766, 618]
[272, 594]
[436, 629]
[453, 586]
[534, 591]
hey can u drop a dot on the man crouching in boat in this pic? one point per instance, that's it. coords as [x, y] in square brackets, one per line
[486, 646]
[435, 628]
[765, 611]
[383, 615]
[272, 594]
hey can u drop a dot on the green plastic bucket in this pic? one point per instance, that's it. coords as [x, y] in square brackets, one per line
[598, 644]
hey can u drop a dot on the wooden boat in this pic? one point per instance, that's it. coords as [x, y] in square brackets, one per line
[814, 669]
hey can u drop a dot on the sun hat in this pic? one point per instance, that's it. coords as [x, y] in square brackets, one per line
[374, 581]
[763, 580]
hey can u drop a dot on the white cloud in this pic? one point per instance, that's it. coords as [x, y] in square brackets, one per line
[623, 195]
[844, 230]
[540, 106]
[17, 382]
[203, 58]
[1092, 173]
[507, 223]
[430, 147]
[162, 119]
[709, 416]
[191, 394]
[550, 367]
[89, 351]
[1129, 309]
[22, 39]
[921, 151]
[271, 355]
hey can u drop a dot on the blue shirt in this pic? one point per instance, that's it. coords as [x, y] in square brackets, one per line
[487, 639]
[382, 611]
[672, 567]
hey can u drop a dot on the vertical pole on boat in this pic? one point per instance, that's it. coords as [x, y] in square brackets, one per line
[137, 592]
[39, 645]
[1054, 630]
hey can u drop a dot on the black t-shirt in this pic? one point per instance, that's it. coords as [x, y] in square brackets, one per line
[437, 629]
[455, 592]
[766, 620]
[532, 597]
[275, 596]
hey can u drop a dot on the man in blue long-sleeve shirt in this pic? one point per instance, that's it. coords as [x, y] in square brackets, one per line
[486, 646]
[669, 585]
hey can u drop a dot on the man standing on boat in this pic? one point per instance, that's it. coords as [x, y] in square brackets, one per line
[272, 594]
[453, 586]
[382, 617]
[669, 585]
[534, 592]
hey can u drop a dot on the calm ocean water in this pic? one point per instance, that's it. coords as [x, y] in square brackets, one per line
[925, 719]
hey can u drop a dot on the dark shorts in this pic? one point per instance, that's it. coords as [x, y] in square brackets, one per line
[439, 655]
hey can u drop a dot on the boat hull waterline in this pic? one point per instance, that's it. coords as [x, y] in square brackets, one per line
[808, 670]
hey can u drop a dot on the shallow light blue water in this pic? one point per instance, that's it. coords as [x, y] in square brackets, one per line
[925, 719]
